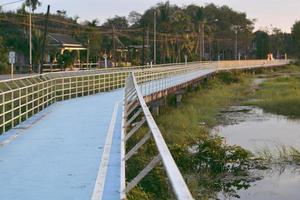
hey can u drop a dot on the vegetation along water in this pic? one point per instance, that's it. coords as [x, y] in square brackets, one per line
[213, 168]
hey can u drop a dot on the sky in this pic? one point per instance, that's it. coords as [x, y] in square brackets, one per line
[268, 13]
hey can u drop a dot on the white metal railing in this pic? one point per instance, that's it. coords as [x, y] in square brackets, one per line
[24, 97]
[137, 113]
[21, 98]
[238, 64]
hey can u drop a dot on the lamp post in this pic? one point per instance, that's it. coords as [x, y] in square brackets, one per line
[236, 44]
[154, 45]
[236, 29]
[30, 37]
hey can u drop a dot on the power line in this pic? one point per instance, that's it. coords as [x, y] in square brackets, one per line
[125, 33]
[9, 3]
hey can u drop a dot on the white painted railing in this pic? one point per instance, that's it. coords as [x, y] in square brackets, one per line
[137, 113]
[21, 98]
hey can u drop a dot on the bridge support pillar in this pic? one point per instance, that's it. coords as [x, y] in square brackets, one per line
[155, 110]
[194, 86]
[179, 95]
[155, 105]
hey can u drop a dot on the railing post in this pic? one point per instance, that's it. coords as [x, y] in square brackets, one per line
[70, 87]
[38, 97]
[4, 113]
[94, 84]
[20, 106]
[76, 86]
[27, 108]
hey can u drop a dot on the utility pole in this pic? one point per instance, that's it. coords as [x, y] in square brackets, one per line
[203, 40]
[143, 49]
[154, 46]
[114, 45]
[44, 40]
[178, 49]
[88, 53]
[210, 48]
[30, 37]
[236, 29]
[200, 43]
[236, 44]
[147, 42]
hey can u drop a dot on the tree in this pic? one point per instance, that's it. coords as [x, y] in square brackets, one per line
[277, 42]
[66, 59]
[3, 57]
[296, 37]
[76, 18]
[262, 44]
[196, 14]
[92, 23]
[118, 23]
[34, 4]
[94, 40]
[134, 18]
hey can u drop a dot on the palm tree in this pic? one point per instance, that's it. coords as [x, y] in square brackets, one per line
[34, 4]
[92, 23]
[197, 15]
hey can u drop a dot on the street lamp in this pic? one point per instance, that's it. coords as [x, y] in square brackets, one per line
[154, 42]
[236, 29]
[30, 37]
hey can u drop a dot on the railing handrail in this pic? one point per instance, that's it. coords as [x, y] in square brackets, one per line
[66, 85]
[118, 69]
[177, 182]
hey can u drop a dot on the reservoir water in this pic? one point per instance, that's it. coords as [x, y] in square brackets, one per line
[255, 130]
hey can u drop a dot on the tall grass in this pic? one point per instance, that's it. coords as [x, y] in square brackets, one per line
[279, 96]
[199, 110]
[282, 155]
[189, 125]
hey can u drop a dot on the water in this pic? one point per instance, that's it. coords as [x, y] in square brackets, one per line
[255, 130]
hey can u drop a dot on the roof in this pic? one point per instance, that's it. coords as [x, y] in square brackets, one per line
[63, 40]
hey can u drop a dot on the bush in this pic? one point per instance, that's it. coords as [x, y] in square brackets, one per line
[228, 77]
[4, 69]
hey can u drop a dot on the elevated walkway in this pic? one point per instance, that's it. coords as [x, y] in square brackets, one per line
[73, 148]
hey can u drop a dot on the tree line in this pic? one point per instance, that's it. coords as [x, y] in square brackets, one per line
[199, 32]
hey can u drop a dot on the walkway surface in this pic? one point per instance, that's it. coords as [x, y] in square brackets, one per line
[8, 76]
[58, 157]
[71, 150]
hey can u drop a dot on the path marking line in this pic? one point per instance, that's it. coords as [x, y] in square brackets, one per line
[100, 181]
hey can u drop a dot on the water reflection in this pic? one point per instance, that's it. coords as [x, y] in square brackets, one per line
[279, 183]
[255, 130]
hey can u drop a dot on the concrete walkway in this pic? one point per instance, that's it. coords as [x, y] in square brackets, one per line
[58, 157]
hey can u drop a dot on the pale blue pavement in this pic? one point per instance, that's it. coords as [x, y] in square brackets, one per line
[59, 156]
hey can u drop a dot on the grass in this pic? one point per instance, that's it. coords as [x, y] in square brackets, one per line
[280, 95]
[190, 123]
[199, 110]
[282, 155]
